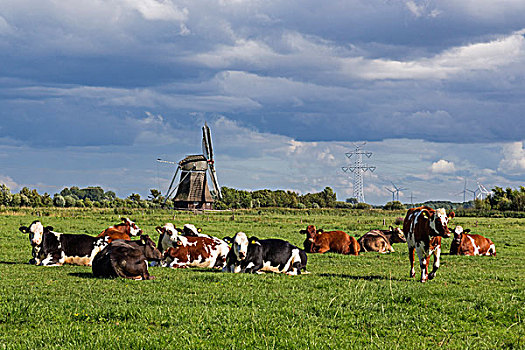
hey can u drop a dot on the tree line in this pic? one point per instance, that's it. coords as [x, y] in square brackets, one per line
[96, 197]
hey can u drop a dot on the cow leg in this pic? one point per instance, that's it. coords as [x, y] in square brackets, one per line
[411, 252]
[423, 263]
[435, 266]
[322, 250]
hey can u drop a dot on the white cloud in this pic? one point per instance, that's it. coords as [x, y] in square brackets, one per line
[158, 9]
[9, 182]
[473, 57]
[513, 161]
[442, 167]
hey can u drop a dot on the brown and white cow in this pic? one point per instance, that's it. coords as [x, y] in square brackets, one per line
[465, 243]
[381, 240]
[191, 251]
[318, 241]
[424, 227]
[124, 230]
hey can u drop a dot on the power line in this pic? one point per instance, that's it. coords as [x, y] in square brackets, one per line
[358, 168]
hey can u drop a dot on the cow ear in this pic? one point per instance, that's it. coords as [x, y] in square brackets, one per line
[123, 219]
[466, 231]
[179, 230]
[48, 228]
[23, 229]
[303, 232]
[451, 215]
[142, 240]
[199, 230]
[425, 214]
[158, 229]
[391, 228]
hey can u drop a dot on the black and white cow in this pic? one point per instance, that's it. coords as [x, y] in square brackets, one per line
[256, 255]
[51, 248]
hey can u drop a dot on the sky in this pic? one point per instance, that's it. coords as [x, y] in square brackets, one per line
[92, 92]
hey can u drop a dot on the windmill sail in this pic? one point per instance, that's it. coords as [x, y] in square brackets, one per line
[207, 148]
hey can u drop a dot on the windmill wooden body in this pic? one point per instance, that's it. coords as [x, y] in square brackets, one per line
[192, 191]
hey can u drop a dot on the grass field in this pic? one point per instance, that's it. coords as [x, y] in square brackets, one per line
[346, 302]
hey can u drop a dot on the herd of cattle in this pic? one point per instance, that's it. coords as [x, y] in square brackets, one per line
[114, 254]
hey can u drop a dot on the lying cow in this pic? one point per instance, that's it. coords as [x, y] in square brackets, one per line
[126, 259]
[424, 228]
[190, 251]
[169, 230]
[381, 240]
[51, 248]
[254, 255]
[318, 241]
[465, 243]
[124, 230]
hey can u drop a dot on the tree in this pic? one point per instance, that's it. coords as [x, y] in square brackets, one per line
[59, 201]
[394, 205]
[135, 197]
[5, 195]
[70, 201]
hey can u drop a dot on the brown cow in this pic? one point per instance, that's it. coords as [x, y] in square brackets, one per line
[124, 230]
[126, 259]
[424, 228]
[381, 240]
[318, 241]
[470, 244]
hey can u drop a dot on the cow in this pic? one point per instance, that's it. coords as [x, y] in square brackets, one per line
[381, 240]
[192, 251]
[51, 248]
[256, 255]
[424, 227]
[318, 241]
[126, 259]
[168, 230]
[124, 231]
[465, 243]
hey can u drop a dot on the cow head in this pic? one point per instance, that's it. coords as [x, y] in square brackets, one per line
[396, 235]
[150, 250]
[191, 230]
[458, 232]
[166, 232]
[35, 231]
[134, 230]
[439, 221]
[310, 232]
[240, 245]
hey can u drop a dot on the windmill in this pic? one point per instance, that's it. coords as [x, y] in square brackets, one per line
[192, 186]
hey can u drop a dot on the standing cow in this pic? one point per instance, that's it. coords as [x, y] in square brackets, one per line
[465, 243]
[126, 259]
[424, 227]
[319, 241]
[381, 240]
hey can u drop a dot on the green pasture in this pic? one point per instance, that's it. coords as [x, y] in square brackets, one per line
[347, 302]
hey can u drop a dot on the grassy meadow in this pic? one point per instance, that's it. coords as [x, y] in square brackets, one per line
[347, 302]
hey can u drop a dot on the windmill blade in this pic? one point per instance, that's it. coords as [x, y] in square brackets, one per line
[209, 144]
[205, 141]
[214, 181]
[171, 184]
